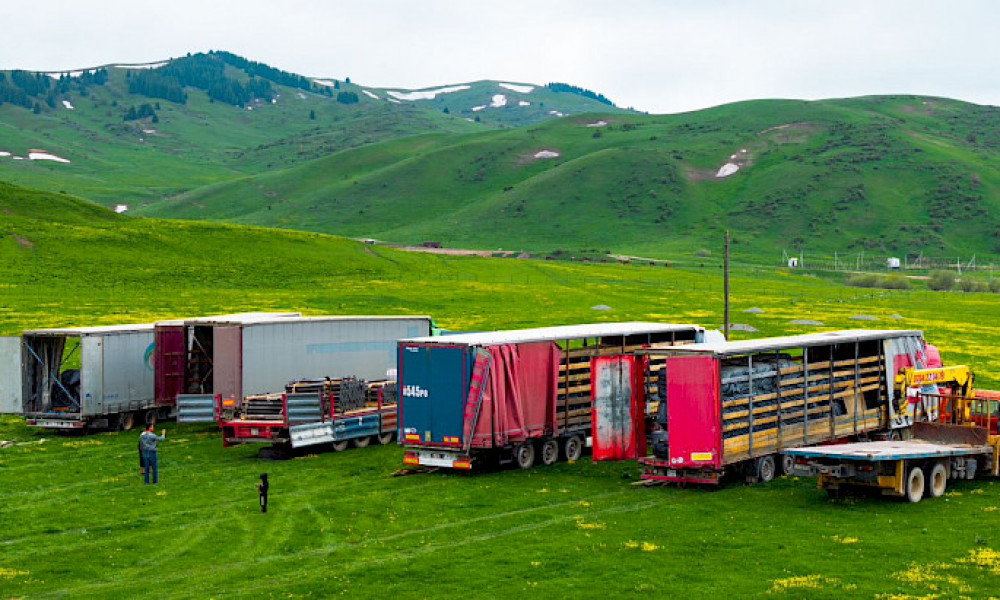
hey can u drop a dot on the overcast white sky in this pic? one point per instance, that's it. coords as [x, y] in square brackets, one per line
[655, 55]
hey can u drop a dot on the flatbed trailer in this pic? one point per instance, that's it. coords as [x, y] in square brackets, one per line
[509, 396]
[312, 412]
[908, 468]
[733, 407]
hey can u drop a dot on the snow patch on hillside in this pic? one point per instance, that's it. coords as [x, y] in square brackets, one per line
[3, 153]
[597, 124]
[478, 108]
[498, 101]
[67, 104]
[38, 155]
[426, 94]
[370, 95]
[727, 170]
[555, 113]
[120, 208]
[154, 65]
[523, 103]
[325, 82]
[546, 154]
[521, 89]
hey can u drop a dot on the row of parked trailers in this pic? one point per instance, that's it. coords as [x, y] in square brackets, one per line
[522, 396]
[108, 377]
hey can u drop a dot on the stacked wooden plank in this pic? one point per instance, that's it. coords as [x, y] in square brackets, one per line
[791, 403]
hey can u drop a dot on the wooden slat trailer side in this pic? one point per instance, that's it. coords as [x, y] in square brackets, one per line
[734, 406]
[511, 395]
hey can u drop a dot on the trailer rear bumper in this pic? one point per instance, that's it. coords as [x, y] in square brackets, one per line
[253, 432]
[655, 469]
[437, 458]
[55, 422]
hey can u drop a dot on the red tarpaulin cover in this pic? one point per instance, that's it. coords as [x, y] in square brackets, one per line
[519, 400]
[618, 399]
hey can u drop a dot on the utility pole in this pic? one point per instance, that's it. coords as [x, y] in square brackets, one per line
[725, 286]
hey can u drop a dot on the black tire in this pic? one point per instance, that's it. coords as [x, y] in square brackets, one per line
[765, 469]
[340, 446]
[550, 452]
[126, 421]
[149, 417]
[914, 489]
[386, 438]
[524, 455]
[573, 448]
[361, 442]
[937, 481]
[787, 464]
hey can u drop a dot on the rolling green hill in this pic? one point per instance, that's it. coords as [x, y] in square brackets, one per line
[138, 133]
[899, 175]
[216, 137]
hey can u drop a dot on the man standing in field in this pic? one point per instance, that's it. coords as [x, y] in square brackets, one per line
[147, 446]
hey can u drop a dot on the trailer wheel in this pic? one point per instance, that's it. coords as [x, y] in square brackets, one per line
[915, 485]
[340, 446]
[126, 421]
[937, 483]
[573, 448]
[150, 417]
[361, 442]
[787, 464]
[385, 438]
[550, 452]
[524, 455]
[765, 468]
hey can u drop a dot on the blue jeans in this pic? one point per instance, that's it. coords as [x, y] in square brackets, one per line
[152, 464]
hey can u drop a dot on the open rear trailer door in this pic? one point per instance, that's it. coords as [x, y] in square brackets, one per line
[170, 358]
[618, 408]
[10, 376]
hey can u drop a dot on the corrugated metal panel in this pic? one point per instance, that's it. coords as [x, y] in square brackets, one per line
[170, 363]
[10, 376]
[793, 341]
[195, 408]
[279, 352]
[546, 334]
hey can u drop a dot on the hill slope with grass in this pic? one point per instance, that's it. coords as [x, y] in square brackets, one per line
[124, 134]
[883, 175]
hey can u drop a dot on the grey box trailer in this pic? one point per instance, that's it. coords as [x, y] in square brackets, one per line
[87, 377]
[237, 359]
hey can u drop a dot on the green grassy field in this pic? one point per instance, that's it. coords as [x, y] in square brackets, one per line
[75, 520]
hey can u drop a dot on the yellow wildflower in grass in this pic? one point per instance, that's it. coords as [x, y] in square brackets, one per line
[535, 563]
[812, 582]
[583, 503]
[926, 575]
[582, 525]
[845, 540]
[977, 491]
[82, 443]
[990, 509]
[649, 547]
[631, 544]
[953, 494]
[984, 558]
[161, 494]
[6, 573]
[543, 491]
